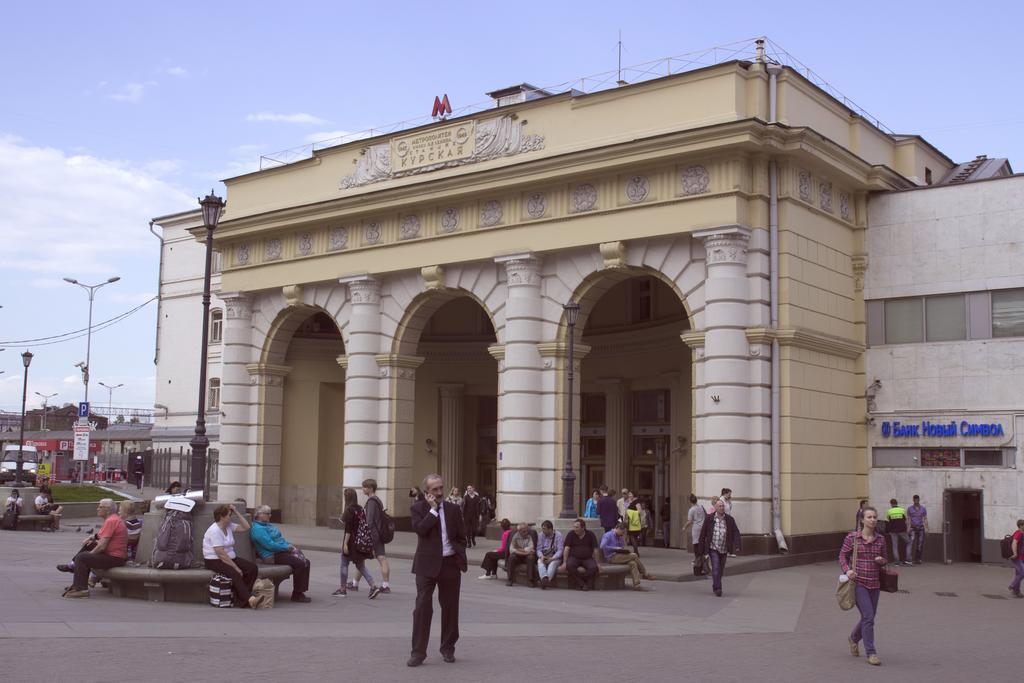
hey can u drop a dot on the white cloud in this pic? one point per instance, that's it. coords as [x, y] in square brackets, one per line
[177, 71]
[72, 379]
[131, 92]
[299, 118]
[58, 210]
[162, 167]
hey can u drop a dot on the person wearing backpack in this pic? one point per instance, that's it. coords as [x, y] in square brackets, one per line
[1017, 557]
[356, 544]
[377, 519]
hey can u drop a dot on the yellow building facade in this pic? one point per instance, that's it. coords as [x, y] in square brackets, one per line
[395, 306]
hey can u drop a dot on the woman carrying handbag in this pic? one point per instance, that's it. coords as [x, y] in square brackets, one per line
[862, 558]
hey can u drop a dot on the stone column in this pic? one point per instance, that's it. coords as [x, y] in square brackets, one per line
[365, 411]
[452, 407]
[398, 389]
[237, 465]
[617, 440]
[726, 397]
[267, 383]
[526, 472]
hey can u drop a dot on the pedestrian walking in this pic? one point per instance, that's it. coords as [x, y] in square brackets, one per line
[1017, 557]
[870, 550]
[471, 514]
[375, 519]
[607, 510]
[356, 546]
[634, 525]
[896, 527]
[590, 511]
[438, 563]
[718, 538]
[917, 514]
[695, 517]
[859, 519]
[665, 515]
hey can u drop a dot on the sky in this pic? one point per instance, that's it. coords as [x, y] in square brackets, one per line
[114, 113]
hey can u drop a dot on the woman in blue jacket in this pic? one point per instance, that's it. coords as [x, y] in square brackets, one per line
[273, 549]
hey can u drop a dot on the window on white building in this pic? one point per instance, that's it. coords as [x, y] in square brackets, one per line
[1008, 313]
[942, 457]
[213, 394]
[946, 318]
[216, 326]
[904, 322]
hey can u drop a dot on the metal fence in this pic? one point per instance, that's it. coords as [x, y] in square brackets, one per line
[164, 465]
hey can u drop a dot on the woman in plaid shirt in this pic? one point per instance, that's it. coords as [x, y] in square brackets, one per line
[871, 557]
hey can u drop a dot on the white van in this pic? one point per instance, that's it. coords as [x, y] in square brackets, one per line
[29, 464]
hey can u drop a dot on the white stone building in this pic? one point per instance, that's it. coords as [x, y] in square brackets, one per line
[944, 290]
[179, 323]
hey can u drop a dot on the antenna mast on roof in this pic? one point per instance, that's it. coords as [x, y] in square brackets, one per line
[620, 81]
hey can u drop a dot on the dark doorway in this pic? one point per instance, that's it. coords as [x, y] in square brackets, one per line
[963, 525]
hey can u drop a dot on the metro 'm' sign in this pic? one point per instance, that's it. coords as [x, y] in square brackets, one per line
[442, 107]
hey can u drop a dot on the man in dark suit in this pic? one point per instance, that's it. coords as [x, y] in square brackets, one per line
[439, 561]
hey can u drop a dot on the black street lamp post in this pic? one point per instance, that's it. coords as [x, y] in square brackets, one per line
[212, 207]
[572, 312]
[26, 359]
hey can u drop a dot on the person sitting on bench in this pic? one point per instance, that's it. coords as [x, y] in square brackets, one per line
[521, 551]
[271, 547]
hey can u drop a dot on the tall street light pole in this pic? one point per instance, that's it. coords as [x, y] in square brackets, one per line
[212, 207]
[26, 359]
[91, 289]
[110, 400]
[572, 312]
[46, 400]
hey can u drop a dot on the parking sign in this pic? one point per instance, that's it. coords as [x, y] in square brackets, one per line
[83, 409]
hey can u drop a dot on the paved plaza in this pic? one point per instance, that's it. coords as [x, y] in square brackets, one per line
[770, 626]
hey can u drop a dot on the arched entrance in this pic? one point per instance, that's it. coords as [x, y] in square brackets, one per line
[455, 408]
[635, 399]
[307, 418]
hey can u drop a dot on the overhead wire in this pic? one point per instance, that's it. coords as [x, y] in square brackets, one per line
[76, 334]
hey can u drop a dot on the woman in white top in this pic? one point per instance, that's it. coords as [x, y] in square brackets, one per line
[219, 555]
[454, 496]
[45, 506]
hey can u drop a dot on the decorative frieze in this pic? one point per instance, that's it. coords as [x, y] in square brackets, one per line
[273, 249]
[467, 142]
[860, 267]
[305, 244]
[236, 305]
[372, 232]
[521, 269]
[409, 227]
[338, 239]
[536, 205]
[844, 205]
[450, 220]
[825, 196]
[242, 254]
[637, 189]
[695, 179]
[584, 197]
[490, 213]
[804, 185]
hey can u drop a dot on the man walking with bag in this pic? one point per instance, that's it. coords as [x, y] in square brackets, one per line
[438, 563]
[718, 538]
[374, 516]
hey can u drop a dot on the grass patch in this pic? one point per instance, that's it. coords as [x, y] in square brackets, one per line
[70, 493]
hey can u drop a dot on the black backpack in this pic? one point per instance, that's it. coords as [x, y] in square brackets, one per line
[10, 519]
[385, 525]
[1006, 547]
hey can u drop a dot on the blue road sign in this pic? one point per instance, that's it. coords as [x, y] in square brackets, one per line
[83, 409]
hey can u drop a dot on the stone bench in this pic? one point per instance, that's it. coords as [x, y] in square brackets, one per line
[180, 585]
[175, 585]
[34, 522]
[609, 576]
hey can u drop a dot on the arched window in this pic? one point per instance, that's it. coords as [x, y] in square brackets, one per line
[213, 394]
[216, 326]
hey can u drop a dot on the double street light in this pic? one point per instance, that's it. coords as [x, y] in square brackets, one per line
[110, 399]
[26, 359]
[212, 206]
[46, 399]
[91, 289]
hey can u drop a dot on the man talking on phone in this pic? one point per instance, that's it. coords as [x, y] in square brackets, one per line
[439, 562]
